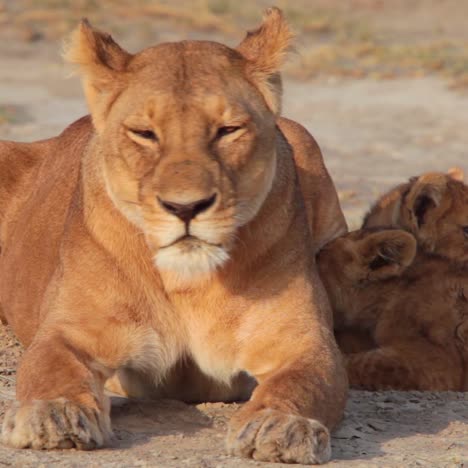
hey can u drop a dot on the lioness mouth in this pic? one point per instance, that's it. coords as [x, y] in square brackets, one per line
[190, 241]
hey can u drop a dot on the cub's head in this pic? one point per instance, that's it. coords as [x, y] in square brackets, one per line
[186, 135]
[434, 207]
[359, 260]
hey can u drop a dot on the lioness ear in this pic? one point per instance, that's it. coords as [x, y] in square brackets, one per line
[102, 63]
[387, 253]
[424, 201]
[456, 173]
[265, 50]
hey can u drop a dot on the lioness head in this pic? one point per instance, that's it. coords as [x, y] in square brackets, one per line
[354, 263]
[433, 207]
[186, 135]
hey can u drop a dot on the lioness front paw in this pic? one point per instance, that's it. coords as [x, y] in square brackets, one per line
[54, 424]
[275, 436]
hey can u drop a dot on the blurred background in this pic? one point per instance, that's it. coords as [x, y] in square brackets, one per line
[381, 84]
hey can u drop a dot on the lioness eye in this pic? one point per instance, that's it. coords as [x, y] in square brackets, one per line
[465, 230]
[146, 134]
[223, 131]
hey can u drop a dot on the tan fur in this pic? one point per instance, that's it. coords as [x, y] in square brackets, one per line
[412, 308]
[433, 207]
[324, 215]
[100, 282]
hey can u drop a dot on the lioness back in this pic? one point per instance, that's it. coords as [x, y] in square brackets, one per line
[325, 217]
[35, 217]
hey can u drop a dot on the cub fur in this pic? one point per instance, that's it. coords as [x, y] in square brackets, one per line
[411, 308]
[433, 207]
[161, 246]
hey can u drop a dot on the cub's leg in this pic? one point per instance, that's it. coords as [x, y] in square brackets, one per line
[461, 334]
[301, 393]
[407, 366]
[60, 400]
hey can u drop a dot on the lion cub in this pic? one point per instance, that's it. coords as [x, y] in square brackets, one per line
[433, 207]
[410, 305]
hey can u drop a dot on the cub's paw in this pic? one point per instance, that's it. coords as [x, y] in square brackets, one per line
[54, 424]
[270, 435]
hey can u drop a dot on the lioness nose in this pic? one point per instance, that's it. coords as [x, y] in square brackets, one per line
[187, 211]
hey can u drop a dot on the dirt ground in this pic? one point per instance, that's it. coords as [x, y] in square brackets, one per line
[374, 133]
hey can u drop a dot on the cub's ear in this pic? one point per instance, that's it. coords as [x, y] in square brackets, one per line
[265, 50]
[101, 62]
[456, 173]
[387, 253]
[424, 202]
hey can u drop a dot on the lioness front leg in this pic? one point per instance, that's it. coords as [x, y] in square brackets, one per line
[300, 397]
[60, 400]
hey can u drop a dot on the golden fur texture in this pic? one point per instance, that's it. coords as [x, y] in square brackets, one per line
[163, 248]
[433, 207]
[413, 309]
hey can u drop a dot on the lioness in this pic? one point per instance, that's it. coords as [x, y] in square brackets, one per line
[433, 207]
[169, 236]
[413, 307]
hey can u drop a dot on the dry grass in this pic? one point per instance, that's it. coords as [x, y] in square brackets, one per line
[49, 16]
[333, 38]
[370, 58]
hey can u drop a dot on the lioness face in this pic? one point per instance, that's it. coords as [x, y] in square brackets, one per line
[187, 135]
[191, 153]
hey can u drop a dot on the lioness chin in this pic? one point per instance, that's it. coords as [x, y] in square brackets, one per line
[162, 248]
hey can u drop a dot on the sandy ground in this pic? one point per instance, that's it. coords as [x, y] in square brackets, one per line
[373, 135]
